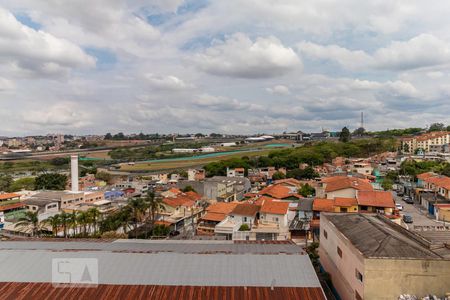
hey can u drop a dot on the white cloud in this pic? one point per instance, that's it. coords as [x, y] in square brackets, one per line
[23, 49]
[424, 50]
[6, 84]
[279, 90]
[170, 82]
[238, 56]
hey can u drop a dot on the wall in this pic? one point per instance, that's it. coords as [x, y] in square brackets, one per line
[344, 193]
[342, 269]
[349, 209]
[388, 278]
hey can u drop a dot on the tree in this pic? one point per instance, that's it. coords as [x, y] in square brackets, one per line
[26, 183]
[359, 132]
[155, 204]
[306, 173]
[60, 161]
[387, 184]
[51, 181]
[65, 222]
[344, 136]
[103, 176]
[244, 227]
[188, 188]
[436, 127]
[278, 176]
[54, 222]
[306, 190]
[30, 219]
[93, 218]
[5, 182]
[82, 221]
[137, 207]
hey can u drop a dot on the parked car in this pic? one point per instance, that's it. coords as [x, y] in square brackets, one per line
[399, 206]
[400, 193]
[408, 199]
[407, 219]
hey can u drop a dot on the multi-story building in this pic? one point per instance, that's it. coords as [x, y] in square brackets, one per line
[370, 257]
[426, 142]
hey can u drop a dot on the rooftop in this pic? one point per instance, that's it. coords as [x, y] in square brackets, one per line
[275, 207]
[168, 269]
[337, 183]
[376, 237]
[246, 209]
[376, 199]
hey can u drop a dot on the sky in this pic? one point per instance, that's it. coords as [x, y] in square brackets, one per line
[234, 66]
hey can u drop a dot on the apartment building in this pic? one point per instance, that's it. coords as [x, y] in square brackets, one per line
[426, 141]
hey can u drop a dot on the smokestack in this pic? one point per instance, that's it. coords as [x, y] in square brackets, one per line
[74, 172]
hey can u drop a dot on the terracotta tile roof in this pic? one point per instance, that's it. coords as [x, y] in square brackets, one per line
[179, 201]
[426, 175]
[7, 196]
[376, 199]
[212, 216]
[288, 181]
[193, 195]
[439, 181]
[260, 200]
[345, 202]
[222, 207]
[45, 290]
[11, 206]
[174, 190]
[246, 209]
[275, 207]
[279, 191]
[161, 222]
[339, 183]
[431, 135]
[320, 204]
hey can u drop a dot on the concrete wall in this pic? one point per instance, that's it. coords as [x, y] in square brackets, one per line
[388, 278]
[344, 193]
[342, 269]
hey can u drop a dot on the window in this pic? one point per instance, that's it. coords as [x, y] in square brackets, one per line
[339, 252]
[325, 233]
[359, 276]
[244, 219]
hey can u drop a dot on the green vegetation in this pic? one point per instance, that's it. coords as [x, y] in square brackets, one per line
[27, 183]
[30, 219]
[278, 176]
[312, 154]
[51, 181]
[345, 135]
[306, 173]
[306, 190]
[5, 182]
[387, 184]
[188, 188]
[244, 227]
[413, 168]
[152, 152]
[396, 132]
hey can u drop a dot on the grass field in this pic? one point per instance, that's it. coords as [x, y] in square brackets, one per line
[188, 162]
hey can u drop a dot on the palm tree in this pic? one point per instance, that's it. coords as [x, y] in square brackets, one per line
[138, 208]
[82, 220]
[155, 205]
[94, 216]
[65, 221]
[30, 219]
[54, 222]
[73, 222]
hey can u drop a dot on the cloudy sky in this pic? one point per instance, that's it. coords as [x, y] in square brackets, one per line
[234, 66]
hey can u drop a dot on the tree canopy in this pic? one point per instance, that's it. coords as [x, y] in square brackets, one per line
[51, 181]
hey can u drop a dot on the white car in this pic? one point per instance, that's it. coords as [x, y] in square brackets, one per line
[399, 206]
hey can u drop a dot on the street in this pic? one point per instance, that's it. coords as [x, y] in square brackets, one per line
[416, 212]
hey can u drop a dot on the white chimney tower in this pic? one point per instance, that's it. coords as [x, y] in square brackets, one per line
[74, 172]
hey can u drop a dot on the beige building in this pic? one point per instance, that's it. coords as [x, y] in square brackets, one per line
[425, 141]
[370, 257]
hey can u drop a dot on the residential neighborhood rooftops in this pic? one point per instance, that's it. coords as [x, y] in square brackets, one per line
[336, 183]
[7, 196]
[376, 199]
[246, 209]
[275, 207]
[279, 191]
[320, 204]
[376, 237]
[345, 202]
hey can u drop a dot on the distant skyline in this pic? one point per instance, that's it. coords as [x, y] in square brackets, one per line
[235, 66]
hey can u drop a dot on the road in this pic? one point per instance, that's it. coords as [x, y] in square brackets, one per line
[416, 212]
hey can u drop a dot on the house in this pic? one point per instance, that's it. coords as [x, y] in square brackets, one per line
[181, 212]
[169, 270]
[375, 201]
[341, 186]
[280, 191]
[237, 172]
[10, 203]
[369, 257]
[442, 212]
[426, 141]
[215, 213]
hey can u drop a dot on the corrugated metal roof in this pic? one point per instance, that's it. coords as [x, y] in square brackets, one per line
[168, 268]
[146, 246]
[37, 291]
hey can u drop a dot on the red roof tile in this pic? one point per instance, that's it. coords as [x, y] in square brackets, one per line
[279, 191]
[320, 204]
[339, 183]
[275, 207]
[7, 196]
[376, 199]
[193, 195]
[345, 202]
[246, 209]
[179, 201]
[426, 175]
[11, 206]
